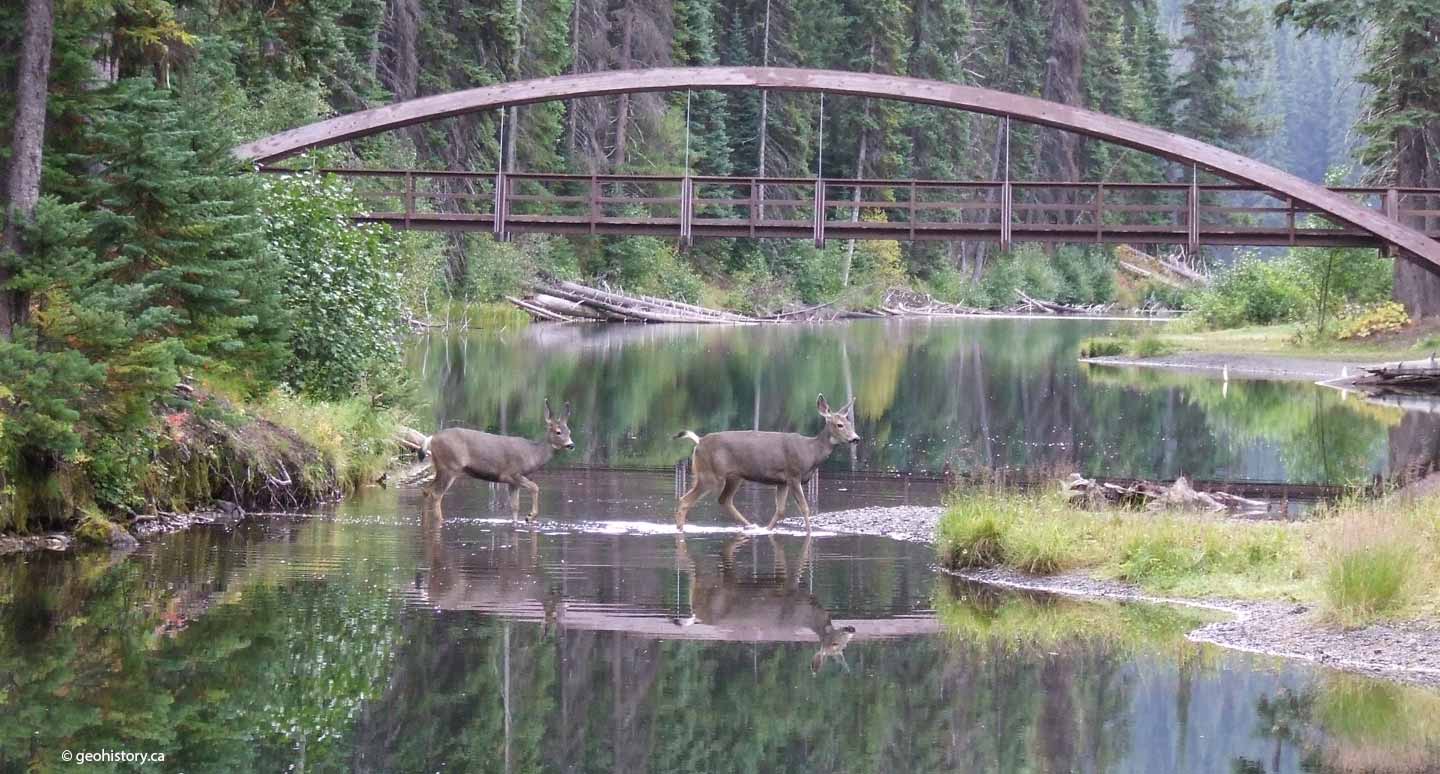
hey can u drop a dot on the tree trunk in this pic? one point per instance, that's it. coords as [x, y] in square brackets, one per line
[622, 116]
[1415, 287]
[1059, 150]
[22, 189]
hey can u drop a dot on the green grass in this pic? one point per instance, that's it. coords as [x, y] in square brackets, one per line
[1292, 340]
[458, 313]
[355, 440]
[1148, 345]
[1360, 562]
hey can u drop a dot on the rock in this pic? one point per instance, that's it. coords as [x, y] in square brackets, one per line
[102, 532]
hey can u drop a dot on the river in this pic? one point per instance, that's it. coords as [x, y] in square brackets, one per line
[370, 638]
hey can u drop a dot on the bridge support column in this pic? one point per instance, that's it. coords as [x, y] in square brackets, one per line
[818, 225]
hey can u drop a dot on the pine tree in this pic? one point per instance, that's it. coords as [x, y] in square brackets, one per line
[1221, 42]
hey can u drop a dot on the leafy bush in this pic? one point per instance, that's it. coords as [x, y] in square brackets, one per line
[344, 316]
[1255, 292]
[1384, 317]
[494, 269]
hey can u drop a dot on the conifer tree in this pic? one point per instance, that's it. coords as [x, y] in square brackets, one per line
[1221, 43]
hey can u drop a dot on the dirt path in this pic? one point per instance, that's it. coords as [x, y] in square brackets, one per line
[1406, 652]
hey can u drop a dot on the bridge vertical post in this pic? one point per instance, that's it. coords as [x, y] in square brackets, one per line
[1391, 208]
[1006, 196]
[687, 203]
[1192, 200]
[1099, 212]
[502, 203]
[912, 210]
[818, 217]
[594, 202]
[1290, 219]
[755, 203]
[409, 196]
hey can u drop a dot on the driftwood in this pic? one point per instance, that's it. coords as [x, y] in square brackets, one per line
[1147, 274]
[1052, 307]
[1415, 377]
[567, 301]
[1157, 497]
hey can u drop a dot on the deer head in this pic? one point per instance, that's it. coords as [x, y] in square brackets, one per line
[840, 424]
[557, 429]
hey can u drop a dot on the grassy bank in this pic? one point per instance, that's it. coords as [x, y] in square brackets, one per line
[1358, 562]
[1283, 340]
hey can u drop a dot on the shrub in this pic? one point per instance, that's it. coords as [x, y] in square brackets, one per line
[1102, 347]
[1255, 292]
[1385, 317]
[1152, 346]
[1368, 565]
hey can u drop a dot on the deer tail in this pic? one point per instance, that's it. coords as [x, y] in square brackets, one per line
[688, 434]
[424, 450]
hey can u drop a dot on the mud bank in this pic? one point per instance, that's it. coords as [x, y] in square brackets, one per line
[1406, 652]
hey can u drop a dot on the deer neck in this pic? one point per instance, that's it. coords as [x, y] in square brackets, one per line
[821, 445]
[541, 451]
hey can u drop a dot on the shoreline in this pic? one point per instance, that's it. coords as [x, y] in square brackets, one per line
[1406, 652]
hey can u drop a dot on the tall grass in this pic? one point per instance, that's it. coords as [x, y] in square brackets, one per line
[1361, 562]
[355, 440]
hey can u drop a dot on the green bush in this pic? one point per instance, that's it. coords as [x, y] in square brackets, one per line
[1256, 292]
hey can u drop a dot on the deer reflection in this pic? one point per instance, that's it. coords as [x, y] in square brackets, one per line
[765, 608]
[508, 581]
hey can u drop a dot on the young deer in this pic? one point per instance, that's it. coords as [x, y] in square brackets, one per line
[786, 460]
[502, 459]
[767, 608]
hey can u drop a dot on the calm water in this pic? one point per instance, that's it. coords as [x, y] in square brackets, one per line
[372, 639]
[973, 394]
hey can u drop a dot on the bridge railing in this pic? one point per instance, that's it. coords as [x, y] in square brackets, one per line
[686, 206]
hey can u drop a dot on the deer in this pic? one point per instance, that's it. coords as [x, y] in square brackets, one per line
[502, 459]
[511, 583]
[767, 608]
[786, 460]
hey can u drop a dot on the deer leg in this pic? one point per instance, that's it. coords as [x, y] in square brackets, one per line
[534, 496]
[782, 492]
[799, 493]
[514, 500]
[436, 489]
[688, 500]
[727, 501]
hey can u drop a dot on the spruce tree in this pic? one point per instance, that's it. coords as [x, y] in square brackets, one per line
[1221, 44]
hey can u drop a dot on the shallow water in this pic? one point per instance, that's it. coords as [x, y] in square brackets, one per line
[372, 639]
[968, 394]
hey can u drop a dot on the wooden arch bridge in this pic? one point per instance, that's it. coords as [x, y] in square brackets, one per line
[1261, 206]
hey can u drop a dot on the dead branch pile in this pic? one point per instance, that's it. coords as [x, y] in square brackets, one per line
[1157, 497]
[1034, 305]
[570, 301]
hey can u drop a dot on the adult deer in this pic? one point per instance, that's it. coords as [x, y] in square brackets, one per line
[786, 460]
[766, 608]
[501, 459]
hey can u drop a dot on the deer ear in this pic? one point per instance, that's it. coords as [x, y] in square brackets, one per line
[549, 416]
[567, 411]
[822, 405]
[817, 661]
[848, 406]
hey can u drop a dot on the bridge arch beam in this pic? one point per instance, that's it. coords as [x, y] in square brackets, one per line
[1413, 245]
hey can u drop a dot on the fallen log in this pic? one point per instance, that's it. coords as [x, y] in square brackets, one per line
[1149, 275]
[1156, 497]
[645, 306]
[539, 312]
[631, 313]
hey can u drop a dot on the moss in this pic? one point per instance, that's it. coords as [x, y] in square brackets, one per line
[94, 531]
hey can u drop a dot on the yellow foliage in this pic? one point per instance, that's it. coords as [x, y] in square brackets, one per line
[1384, 317]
